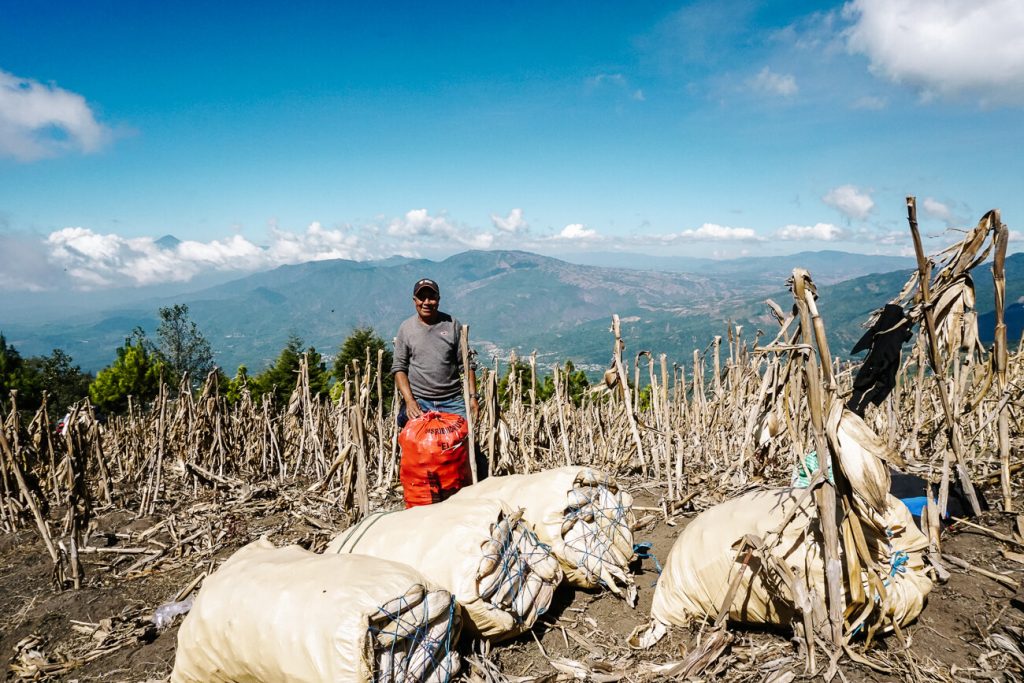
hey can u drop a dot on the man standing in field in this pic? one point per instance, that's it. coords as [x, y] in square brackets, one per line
[428, 359]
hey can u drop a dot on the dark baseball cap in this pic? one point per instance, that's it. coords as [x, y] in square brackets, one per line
[426, 283]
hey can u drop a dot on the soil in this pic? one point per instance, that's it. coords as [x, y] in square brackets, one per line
[106, 621]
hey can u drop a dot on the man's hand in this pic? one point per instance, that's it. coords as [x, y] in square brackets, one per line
[474, 408]
[412, 409]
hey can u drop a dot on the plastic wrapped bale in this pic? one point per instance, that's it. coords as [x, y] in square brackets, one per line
[703, 562]
[285, 614]
[483, 553]
[581, 513]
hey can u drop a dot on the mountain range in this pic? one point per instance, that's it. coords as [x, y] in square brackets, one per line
[511, 299]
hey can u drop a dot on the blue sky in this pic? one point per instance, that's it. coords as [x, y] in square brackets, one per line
[262, 134]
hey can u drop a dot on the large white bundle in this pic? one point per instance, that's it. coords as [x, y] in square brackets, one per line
[271, 615]
[581, 513]
[477, 549]
[702, 562]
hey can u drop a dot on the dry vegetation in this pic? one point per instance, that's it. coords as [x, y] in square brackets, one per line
[190, 478]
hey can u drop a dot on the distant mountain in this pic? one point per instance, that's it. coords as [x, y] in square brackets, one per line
[511, 299]
[168, 242]
[826, 267]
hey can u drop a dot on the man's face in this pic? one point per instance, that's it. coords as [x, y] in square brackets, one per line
[426, 301]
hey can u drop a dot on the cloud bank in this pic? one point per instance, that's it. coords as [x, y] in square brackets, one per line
[81, 258]
[943, 49]
[94, 260]
[38, 121]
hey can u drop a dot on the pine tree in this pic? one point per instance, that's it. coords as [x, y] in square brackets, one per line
[182, 347]
[63, 383]
[136, 372]
[12, 368]
[279, 379]
[355, 347]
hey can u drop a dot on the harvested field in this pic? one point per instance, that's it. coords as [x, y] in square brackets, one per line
[102, 525]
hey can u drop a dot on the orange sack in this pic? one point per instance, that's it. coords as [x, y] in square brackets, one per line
[435, 458]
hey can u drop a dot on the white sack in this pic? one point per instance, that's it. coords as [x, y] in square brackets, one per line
[702, 562]
[448, 543]
[271, 615]
[578, 511]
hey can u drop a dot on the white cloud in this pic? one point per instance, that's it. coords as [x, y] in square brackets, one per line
[576, 231]
[613, 79]
[933, 208]
[514, 223]
[945, 49]
[90, 260]
[870, 103]
[419, 224]
[850, 201]
[94, 260]
[711, 232]
[39, 121]
[825, 232]
[616, 81]
[24, 266]
[768, 81]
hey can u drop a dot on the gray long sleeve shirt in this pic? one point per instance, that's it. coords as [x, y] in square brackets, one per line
[430, 356]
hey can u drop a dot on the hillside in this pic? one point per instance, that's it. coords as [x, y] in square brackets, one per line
[511, 299]
[829, 266]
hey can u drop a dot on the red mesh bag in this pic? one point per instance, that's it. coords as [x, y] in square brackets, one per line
[435, 458]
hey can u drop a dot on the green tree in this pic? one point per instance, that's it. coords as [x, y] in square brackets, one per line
[522, 380]
[279, 379]
[182, 347]
[574, 384]
[361, 342]
[136, 372]
[12, 374]
[64, 383]
[234, 387]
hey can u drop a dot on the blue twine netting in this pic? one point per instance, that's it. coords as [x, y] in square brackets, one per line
[596, 545]
[420, 637]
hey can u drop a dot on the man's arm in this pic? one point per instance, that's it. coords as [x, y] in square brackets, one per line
[412, 408]
[400, 369]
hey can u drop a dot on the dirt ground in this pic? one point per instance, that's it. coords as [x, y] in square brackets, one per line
[102, 631]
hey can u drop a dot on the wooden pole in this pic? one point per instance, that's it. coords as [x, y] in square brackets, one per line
[825, 495]
[464, 349]
[627, 398]
[999, 356]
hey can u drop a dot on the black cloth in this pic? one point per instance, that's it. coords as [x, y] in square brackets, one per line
[958, 505]
[877, 376]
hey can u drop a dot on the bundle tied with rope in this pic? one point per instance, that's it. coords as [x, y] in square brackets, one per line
[285, 614]
[480, 550]
[582, 514]
[758, 558]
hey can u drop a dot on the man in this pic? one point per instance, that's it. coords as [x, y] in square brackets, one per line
[428, 359]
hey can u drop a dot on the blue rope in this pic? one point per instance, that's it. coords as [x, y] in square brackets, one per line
[643, 551]
[596, 545]
[898, 563]
[420, 636]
